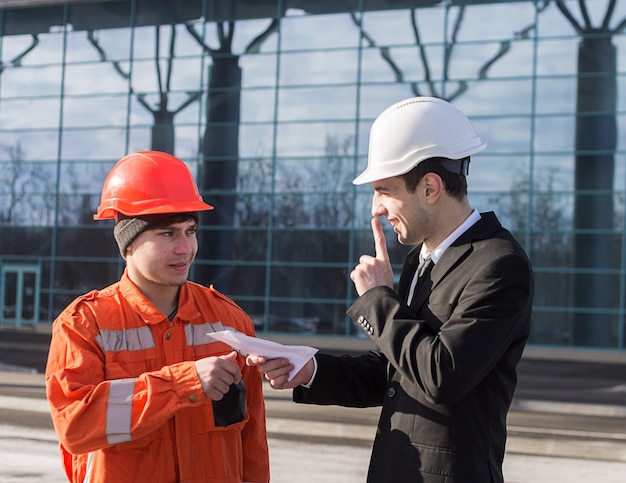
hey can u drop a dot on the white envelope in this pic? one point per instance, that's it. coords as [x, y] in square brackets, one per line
[298, 355]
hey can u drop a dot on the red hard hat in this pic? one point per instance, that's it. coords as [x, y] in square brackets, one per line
[147, 183]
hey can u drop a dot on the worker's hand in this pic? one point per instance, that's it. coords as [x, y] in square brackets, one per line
[216, 374]
[276, 371]
[374, 271]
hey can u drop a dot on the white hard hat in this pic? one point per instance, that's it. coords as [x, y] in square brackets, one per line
[414, 130]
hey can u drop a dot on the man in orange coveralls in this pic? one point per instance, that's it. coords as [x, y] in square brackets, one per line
[138, 391]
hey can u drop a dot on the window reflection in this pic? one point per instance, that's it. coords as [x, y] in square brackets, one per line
[31, 81]
[29, 113]
[302, 95]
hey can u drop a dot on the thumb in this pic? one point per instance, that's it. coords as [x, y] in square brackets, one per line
[233, 370]
[230, 357]
[380, 242]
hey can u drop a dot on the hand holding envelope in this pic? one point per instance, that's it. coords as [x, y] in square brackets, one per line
[298, 355]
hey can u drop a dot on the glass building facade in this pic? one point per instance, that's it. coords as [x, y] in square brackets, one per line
[270, 104]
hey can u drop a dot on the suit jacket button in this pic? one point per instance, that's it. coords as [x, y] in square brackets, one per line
[391, 391]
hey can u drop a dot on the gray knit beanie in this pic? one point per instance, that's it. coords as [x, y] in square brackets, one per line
[128, 228]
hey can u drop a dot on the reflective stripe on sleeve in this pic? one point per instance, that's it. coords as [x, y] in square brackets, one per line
[119, 410]
[125, 340]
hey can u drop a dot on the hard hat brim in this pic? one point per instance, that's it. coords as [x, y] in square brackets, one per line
[378, 171]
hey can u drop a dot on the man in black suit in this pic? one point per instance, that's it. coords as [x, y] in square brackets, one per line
[449, 338]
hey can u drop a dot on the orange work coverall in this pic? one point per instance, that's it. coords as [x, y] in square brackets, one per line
[125, 398]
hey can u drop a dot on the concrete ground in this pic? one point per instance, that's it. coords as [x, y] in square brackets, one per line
[549, 441]
[567, 423]
[30, 455]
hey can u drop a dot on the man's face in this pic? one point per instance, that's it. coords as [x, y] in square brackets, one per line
[163, 254]
[404, 210]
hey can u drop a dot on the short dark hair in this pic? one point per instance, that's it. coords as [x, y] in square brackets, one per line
[454, 183]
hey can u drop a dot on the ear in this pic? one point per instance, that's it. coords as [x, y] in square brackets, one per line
[433, 185]
[129, 250]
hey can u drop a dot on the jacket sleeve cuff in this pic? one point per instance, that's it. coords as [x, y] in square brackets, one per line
[187, 384]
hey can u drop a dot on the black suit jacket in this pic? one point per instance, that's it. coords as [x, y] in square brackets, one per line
[446, 369]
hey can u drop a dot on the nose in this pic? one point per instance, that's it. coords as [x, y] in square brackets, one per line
[377, 206]
[186, 244]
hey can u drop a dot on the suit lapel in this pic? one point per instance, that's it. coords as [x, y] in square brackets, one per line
[459, 249]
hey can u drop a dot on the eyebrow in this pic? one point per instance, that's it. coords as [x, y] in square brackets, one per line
[170, 225]
[382, 187]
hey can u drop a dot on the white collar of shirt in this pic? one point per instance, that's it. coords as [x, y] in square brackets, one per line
[435, 255]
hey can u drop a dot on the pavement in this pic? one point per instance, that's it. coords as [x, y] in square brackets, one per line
[562, 408]
[569, 408]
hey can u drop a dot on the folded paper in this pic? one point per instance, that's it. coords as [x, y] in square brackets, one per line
[298, 355]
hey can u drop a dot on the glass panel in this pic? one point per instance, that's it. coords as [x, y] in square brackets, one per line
[477, 22]
[94, 239]
[101, 78]
[36, 145]
[27, 192]
[94, 144]
[557, 170]
[556, 56]
[395, 27]
[318, 67]
[78, 278]
[323, 246]
[330, 174]
[29, 289]
[10, 295]
[556, 95]
[26, 241]
[252, 210]
[186, 140]
[31, 82]
[546, 138]
[139, 139]
[255, 140]
[402, 64]
[494, 98]
[248, 282]
[496, 173]
[75, 209]
[185, 75]
[109, 45]
[297, 31]
[256, 35]
[259, 70]
[309, 139]
[95, 111]
[321, 103]
[300, 317]
[26, 50]
[29, 113]
[504, 135]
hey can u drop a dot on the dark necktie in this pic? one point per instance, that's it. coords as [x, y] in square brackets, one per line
[424, 267]
[423, 271]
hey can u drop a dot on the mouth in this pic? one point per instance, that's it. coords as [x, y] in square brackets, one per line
[180, 267]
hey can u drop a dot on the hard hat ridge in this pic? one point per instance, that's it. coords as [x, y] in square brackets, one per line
[414, 130]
